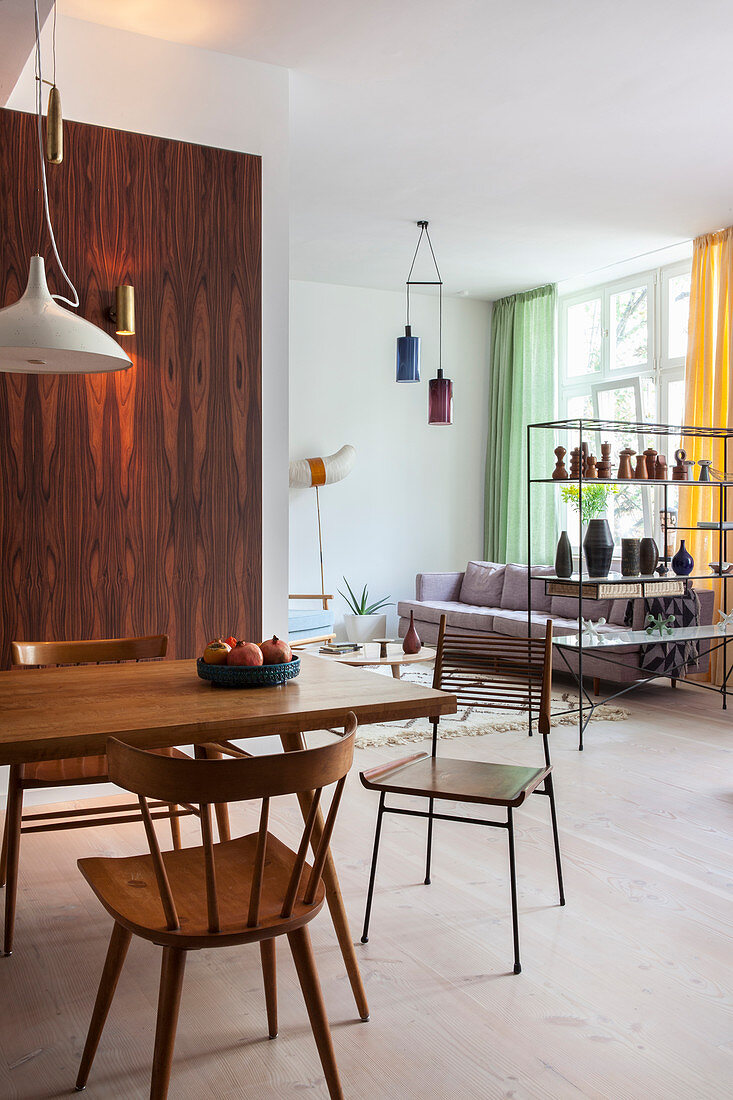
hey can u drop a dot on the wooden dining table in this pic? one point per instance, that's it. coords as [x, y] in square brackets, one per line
[55, 713]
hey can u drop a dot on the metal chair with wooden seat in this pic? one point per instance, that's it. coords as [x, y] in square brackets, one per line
[248, 890]
[47, 774]
[483, 671]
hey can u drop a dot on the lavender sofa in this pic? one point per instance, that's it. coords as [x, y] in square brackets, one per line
[490, 596]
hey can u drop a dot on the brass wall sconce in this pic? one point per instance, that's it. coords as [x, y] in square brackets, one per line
[122, 313]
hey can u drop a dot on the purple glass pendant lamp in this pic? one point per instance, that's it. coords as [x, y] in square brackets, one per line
[440, 389]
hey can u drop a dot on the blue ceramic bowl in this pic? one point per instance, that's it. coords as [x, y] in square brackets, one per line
[247, 676]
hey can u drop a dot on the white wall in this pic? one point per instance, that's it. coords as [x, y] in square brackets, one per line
[130, 82]
[414, 501]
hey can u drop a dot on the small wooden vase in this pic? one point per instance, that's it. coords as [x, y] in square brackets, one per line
[411, 643]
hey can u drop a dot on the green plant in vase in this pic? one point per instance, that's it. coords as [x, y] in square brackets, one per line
[591, 501]
[364, 622]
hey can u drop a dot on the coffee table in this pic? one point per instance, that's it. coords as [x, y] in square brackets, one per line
[369, 654]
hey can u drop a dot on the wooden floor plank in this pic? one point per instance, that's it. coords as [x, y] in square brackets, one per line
[625, 992]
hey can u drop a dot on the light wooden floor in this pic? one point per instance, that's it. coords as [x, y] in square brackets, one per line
[625, 992]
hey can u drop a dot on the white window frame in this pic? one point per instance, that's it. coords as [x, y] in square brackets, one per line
[659, 366]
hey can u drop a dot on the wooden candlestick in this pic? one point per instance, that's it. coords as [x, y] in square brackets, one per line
[625, 473]
[640, 473]
[651, 461]
[560, 473]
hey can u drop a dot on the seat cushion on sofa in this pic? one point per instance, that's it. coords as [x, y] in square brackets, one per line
[566, 607]
[514, 623]
[618, 612]
[482, 584]
[470, 616]
[304, 622]
[514, 592]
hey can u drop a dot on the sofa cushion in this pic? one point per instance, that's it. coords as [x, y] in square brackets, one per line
[618, 612]
[514, 623]
[514, 592]
[470, 616]
[566, 607]
[482, 584]
[305, 621]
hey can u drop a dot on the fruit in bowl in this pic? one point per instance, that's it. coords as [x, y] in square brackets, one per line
[275, 651]
[216, 652]
[245, 653]
[231, 641]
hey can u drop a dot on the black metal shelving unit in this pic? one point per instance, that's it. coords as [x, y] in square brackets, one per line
[581, 428]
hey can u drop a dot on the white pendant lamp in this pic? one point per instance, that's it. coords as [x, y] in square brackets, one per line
[37, 335]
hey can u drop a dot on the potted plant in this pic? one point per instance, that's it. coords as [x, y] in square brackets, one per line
[363, 622]
[598, 542]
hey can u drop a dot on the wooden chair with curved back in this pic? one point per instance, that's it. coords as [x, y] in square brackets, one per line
[488, 671]
[248, 890]
[67, 773]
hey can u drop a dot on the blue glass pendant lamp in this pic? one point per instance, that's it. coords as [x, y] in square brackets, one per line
[440, 396]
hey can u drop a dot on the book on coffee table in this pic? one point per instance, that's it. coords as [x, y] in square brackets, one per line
[337, 648]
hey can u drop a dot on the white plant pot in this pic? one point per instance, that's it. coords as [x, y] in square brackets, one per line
[363, 628]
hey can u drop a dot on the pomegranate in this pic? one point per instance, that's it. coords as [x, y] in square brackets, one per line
[216, 653]
[245, 653]
[275, 651]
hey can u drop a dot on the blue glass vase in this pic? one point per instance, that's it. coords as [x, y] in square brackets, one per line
[683, 562]
[408, 357]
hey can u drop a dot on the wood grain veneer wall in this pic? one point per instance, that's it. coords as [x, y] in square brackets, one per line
[130, 502]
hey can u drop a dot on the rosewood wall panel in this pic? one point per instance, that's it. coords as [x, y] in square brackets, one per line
[131, 502]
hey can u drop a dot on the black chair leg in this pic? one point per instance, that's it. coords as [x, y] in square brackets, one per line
[429, 854]
[373, 873]
[513, 879]
[551, 793]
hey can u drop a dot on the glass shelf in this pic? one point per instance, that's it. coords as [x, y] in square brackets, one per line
[650, 482]
[640, 578]
[640, 637]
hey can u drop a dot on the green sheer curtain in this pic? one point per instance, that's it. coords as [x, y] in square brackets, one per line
[521, 392]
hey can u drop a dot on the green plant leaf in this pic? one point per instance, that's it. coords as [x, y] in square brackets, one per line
[361, 606]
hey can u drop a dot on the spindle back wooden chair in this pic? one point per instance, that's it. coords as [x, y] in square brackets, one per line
[71, 772]
[486, 672]
[247, 890]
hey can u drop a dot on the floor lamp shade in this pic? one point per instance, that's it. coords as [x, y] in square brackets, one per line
[408, 357]
[38, 336]
[440, 400]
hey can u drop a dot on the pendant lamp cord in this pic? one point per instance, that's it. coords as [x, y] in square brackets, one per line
[439, 281]
[39, 116]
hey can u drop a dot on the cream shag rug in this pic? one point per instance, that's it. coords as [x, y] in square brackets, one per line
[469, 722]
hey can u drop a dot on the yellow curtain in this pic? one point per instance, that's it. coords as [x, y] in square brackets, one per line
[709, 399]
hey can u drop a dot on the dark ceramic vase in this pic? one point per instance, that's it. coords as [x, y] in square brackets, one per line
[564, 557]
[630, 558]
[648, 556]
[598, 548]
[683, 562]
[411, 643]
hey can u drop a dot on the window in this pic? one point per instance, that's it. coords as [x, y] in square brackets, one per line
[621, 353]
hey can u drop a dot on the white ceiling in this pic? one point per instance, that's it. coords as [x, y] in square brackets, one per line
[542, 139]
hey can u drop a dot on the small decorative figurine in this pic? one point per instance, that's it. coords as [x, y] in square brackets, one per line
[680, 470]
[604, 465]
[651, 461]
[560, 473]
[584, 453]
[705, 464]
[660, 468]
[590, 629]
[625, 472]
[641, 471]
[662, 569]
[575, 462]
[663, 623]
[590, 467]
[725, 620]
